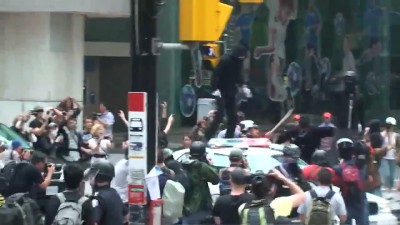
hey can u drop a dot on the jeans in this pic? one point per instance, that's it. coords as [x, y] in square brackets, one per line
[360, 213]
[388, 171]
[195, 218]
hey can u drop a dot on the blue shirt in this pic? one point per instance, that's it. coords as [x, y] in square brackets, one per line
[108, 118]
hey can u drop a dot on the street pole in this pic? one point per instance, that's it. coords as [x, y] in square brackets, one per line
[144, 66]
[143, 30]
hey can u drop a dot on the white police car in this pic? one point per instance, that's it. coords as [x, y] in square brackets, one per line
[263, 156]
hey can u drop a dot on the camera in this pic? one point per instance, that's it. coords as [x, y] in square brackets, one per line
[95, 115]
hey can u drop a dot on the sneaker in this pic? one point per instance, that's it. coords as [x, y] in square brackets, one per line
[394, 189]
[384, 189]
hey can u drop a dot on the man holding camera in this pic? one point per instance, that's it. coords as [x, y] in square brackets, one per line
[106, 118]
[27, 175]
[236, 161]
[38, 125]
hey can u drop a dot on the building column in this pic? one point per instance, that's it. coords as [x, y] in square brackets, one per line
[41, 61]
[169, 62]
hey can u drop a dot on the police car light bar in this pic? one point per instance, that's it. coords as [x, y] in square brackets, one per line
[239, 142]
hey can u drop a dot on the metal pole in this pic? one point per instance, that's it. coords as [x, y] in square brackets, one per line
[143, 27]
[173, 46]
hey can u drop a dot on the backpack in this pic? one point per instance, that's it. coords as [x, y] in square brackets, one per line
[320, 211]
[352, 184]
[174, 197]
[257, 212]
[9, 171]
[224, 185]
[69, 212]
[19, 209]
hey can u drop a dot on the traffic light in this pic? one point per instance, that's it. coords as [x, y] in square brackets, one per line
[211, 54]
[202, 20]
[251, 1]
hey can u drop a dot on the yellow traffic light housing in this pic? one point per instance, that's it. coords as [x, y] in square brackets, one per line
[202, 20]
[251, 1]
[211, 54]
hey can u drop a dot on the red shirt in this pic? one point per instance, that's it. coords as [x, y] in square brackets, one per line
[310, 172]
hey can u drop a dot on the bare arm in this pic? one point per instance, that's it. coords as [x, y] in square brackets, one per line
[169, 124]
[217, 220]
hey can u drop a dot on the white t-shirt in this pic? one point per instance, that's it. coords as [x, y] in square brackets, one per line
[391, 153]
[338, 207]
[120, 181]
[103, 149]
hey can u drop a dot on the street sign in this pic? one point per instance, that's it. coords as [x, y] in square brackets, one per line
[137, 106]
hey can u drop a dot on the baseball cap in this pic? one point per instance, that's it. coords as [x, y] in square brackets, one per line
[297, 117]
[390, 120]
[327, 115]
[235, 154]
[238, 176]
[15, 144]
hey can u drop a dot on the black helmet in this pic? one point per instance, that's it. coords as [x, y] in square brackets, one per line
[235, 155]
[319, 158]
[197, 149]
[345, 148]
[104, 169]
[291, 150]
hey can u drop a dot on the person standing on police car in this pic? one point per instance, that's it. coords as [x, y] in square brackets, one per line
[108, 208]
[226, 79]
[73, 176]
[198, 201]
[39, 125]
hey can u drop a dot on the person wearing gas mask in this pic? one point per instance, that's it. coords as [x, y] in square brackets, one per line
[236, 161]
[198, 201]
[225, 81]
[291, 170]
[108, 208]
[351, 180]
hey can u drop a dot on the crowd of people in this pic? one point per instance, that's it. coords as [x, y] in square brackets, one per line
[285, 195]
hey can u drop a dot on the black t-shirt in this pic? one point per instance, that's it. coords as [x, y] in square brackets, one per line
[36, 124]
[86, 136]
[226, 207]
[54, 203]
[25, 178]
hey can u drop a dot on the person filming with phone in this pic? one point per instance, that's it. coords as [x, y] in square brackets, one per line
[27, 176]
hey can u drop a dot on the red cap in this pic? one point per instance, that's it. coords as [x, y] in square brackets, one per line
[327, 115]
[297, 117]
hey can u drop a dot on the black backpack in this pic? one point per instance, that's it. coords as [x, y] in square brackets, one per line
[19, 209]
[8, 173]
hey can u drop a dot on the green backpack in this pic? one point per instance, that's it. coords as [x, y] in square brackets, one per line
[257, 212]
[320, 211]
